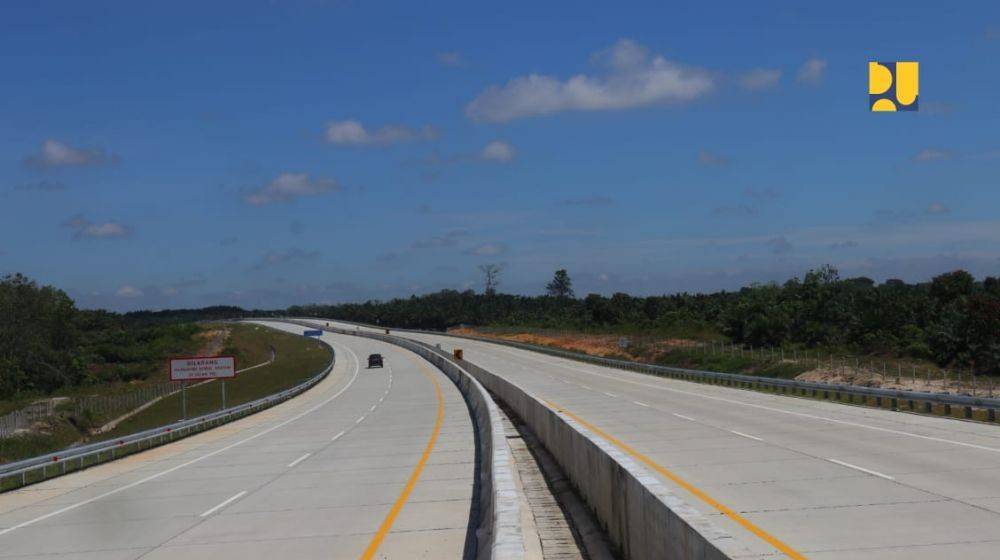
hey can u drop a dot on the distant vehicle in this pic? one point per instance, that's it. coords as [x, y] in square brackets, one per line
[374, 360]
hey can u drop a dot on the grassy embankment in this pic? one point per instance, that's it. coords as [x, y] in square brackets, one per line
[298, 358]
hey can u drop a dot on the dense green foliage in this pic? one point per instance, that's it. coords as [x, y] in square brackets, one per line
[47, 344]
[953, 320]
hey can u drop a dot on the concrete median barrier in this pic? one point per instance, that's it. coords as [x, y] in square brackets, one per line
[641, 516]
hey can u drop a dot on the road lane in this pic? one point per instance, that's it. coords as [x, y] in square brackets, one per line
[315, 477]
[832, 481]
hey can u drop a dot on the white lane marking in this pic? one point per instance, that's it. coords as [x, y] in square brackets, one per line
[612, 395]
[760, 406]
[641, 404]
[358, 421]
[224, 504]
[188, 463]
[372, 409]
[336, 437]
[862, 469]
[586, 387]
[688, 418]
[299, 460]
[748, 436]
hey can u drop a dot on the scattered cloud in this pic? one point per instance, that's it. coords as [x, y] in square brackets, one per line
[766, 194]
[54, 153]
[448, 239]
[451, 59]
[812, 71]
[754, 201]
[487, 250]
[760, 79]
[937, 208]
[273, 259]
[778, 245]
[288, 186]
[46, 186]
[498, 151]
[352, 133]
[933, 154]
[712, 159]
[596, 200]
[84, 228]
[628, 77]
[129, 292]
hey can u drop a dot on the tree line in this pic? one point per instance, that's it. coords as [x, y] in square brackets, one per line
[47, 344]
[953, 320]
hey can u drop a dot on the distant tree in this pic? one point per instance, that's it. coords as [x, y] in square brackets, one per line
[491, 278]
[561, 286]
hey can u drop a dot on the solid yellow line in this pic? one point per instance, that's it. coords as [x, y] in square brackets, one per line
[383, 529]
[701, 495]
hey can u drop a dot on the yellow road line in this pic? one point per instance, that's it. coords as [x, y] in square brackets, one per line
[698, 493]
[383, 529]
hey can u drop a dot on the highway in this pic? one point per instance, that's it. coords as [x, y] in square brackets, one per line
[368, 464]
[786, 477]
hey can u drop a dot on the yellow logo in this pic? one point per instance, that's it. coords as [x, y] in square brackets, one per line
[893, 86]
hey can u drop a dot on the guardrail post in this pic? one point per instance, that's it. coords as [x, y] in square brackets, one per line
[991, 414]
[968, 412]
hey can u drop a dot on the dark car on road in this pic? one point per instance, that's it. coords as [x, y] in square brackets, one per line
[374, 360]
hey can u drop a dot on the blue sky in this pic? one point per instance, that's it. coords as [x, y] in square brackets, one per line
[271, 153]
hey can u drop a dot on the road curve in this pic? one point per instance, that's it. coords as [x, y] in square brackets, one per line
[786, 477]
[367, 464]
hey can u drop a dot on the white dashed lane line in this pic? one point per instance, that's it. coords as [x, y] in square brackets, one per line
[299, 460]
[224, 504]
[748, 436]
[640, 404]
[862, 469]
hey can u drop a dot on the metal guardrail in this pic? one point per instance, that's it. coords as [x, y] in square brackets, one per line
[896, 399]
[36, 469]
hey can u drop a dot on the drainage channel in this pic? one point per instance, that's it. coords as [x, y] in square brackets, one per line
[565, 527]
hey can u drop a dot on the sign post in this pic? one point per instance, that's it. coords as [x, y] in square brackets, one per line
[202, 368]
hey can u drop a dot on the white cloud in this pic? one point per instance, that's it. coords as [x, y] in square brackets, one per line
[760, 79]
[498, 151]
[450, 58]
[103, 230]
[54, 153]
[630, 77]
[352, 133]
[129, 292]
[287, 186]
[933, 154]
[712, 159]
[812, 71]
[937, 208]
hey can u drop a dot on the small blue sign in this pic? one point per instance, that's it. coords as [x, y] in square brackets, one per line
[313, 333]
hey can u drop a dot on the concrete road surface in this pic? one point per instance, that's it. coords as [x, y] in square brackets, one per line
[801, 478]
[376, 462]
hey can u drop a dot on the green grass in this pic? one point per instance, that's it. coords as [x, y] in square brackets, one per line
[298, 359]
